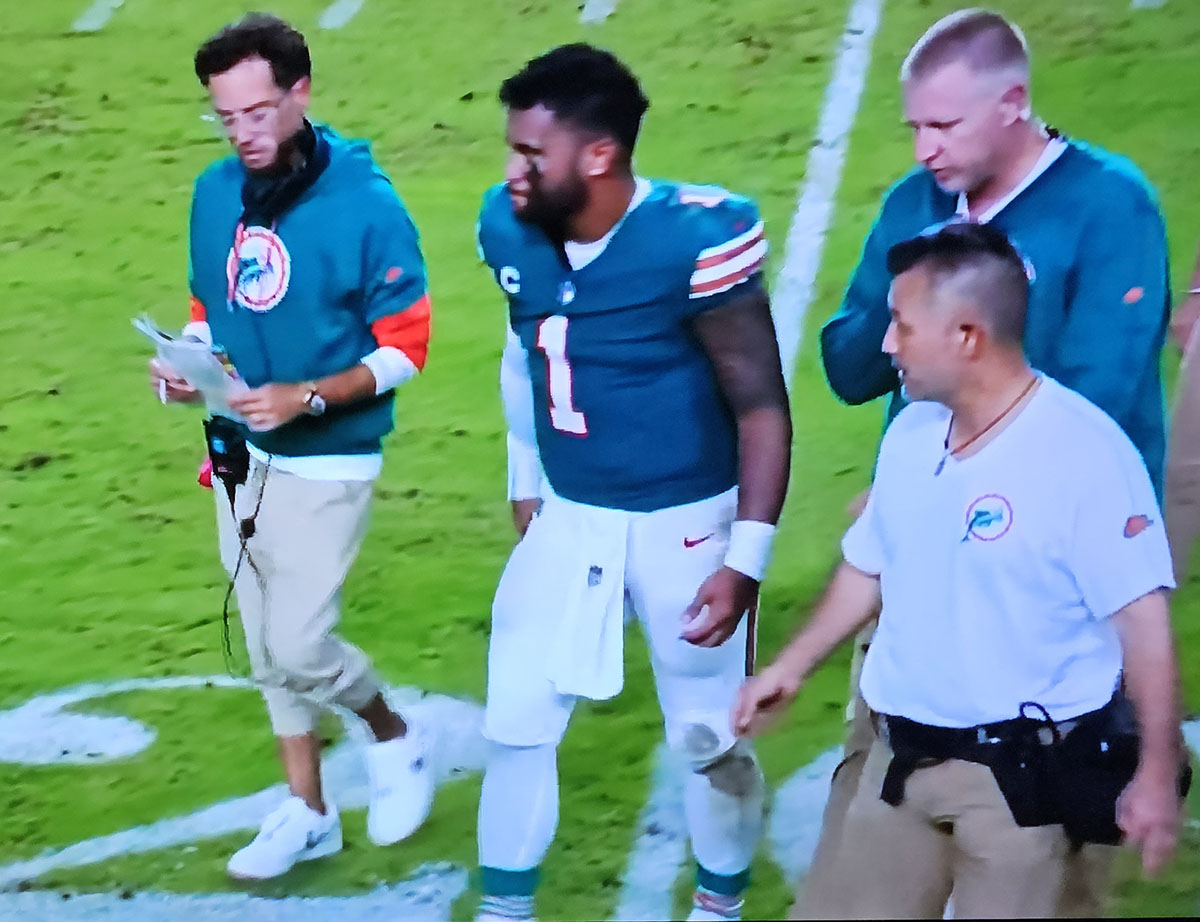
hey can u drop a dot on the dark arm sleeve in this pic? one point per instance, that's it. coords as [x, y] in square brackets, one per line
[1117, 303]
[851, 340]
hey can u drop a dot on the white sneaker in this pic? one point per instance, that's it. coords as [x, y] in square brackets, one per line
[707, 907]
[291, 833]
[401, 776]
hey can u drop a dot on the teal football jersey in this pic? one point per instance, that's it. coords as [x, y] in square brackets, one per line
[628, 411]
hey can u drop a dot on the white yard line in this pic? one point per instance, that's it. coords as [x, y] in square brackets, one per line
[425, 897]
[660, 849]
[96, 16]
[795, 821]
[797, 280]
[596, 11]
[459, 748]
[1147, 4]
[340, 12]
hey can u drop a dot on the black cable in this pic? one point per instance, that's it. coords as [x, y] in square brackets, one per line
[245, 529]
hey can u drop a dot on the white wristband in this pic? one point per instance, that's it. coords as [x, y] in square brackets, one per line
[524, 470]
[750, 547]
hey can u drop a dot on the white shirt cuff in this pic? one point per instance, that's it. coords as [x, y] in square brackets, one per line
[390, 366]
[199, 329]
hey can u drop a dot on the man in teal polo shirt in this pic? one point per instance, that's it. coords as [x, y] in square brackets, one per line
[306, 270]
[1086, 222]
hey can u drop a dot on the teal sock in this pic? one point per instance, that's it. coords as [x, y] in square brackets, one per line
[722, 884]
[508, 894]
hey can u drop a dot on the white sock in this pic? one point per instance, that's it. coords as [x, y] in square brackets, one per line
[724, 810]
[518, 806]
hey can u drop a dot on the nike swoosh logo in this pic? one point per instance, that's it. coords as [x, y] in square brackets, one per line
[692, 542]
[313, 841]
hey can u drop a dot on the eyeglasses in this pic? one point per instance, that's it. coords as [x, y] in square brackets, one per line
[258, 119]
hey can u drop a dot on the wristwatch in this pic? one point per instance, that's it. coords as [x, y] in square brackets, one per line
[314, 403]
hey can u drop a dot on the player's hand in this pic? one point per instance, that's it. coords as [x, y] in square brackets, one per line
[270, 406]
[523, 511]
[763, 698]
[169, 386]
[1149, 812]
[719, 605]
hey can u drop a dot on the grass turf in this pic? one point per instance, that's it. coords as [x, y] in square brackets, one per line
[107, 564]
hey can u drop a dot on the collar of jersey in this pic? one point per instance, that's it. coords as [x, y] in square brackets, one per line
[581, 254]
[1055, 148]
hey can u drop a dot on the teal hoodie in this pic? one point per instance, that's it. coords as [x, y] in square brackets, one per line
[343, 256]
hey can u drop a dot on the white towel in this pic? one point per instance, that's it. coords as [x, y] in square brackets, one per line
[586, 655]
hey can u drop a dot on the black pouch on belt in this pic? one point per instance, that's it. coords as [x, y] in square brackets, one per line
[228, 452]
[1023, 768]
[1092, 764]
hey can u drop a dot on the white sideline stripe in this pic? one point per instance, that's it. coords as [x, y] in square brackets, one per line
[814, 211]
[427, 896]
[596, 11]
[338, 13]
[459, 748]
[795, 823]
[1147, 4]
[661, 848]
[96, 16]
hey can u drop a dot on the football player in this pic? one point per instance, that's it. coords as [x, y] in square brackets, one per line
[648, 452]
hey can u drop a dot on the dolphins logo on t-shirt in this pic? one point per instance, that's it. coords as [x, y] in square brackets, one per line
[988, 518]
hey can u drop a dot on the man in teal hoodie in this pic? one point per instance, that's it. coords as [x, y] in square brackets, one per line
[1086, 222]
[306, 271]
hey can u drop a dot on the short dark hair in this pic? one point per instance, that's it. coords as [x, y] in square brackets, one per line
[584, 86]
[984, 40]
[258, 35]
[982, 260]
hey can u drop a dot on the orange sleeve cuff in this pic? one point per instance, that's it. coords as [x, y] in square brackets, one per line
[196, 311]
[407, 331]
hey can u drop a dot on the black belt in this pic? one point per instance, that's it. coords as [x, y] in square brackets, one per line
[916, 745]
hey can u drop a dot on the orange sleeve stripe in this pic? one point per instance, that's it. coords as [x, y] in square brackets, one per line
[196, 310]
[407, 331]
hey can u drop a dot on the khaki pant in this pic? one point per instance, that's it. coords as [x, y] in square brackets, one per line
[289, 588]
[1086, 883]
[952, 834]
[1181, 511]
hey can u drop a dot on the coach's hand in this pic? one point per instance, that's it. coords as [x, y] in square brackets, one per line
[719, 605]
[523, 511]
[270, 406]
[764, 697]
[169, 386]
[1149, 812]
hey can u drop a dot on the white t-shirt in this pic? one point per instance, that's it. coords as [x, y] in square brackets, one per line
[1000, 573]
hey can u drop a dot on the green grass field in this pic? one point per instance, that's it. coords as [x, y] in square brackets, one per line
[107, 554]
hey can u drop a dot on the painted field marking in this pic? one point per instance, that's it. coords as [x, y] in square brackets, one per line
[1147, 4]
[426, 897]
[596, 11]
[338, 13]
[96, 16]
[459, 748]
[795, 823]
[661, 846]
[796, 285]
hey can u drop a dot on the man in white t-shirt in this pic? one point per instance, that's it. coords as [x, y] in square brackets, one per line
[1014, 540]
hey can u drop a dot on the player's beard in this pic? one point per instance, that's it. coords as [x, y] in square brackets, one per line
[552, 207]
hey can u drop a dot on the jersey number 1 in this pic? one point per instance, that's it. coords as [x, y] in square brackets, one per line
[552, 340]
